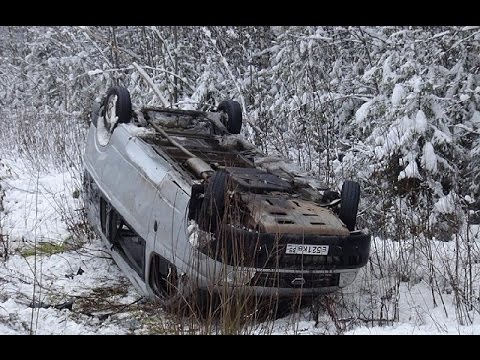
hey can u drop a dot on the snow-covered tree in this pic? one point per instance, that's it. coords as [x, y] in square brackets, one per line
[396, 108]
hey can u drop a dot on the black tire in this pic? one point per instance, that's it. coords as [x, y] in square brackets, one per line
[350, 198]
[123, 107]
[213, 205]
[234, 115]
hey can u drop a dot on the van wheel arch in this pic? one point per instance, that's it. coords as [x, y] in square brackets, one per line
[175, 292]
[162, 277]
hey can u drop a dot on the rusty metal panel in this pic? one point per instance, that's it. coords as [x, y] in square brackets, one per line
[283, 214]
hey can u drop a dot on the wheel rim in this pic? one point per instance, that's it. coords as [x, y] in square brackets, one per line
[111, 117]
[224, 118]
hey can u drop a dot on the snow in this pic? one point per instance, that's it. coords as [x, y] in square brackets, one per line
[405, 125]
[31, 205]
[456, 68]
[446, 204]
[33, 216]
[417, 315]
[441, 137]
[420, 122]
[369, 73]
[416, 82]
[475, 119]
[391, 141]
[411, 170]
[386, 69]
[429, 159]
[441, 34]
[95, 72]
[398, 94]
[138, 130]
[57, 284]
[438, 111]
[275, 164]
[55, 279]
[362, 112]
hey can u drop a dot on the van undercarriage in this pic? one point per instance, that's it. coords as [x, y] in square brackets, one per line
[163, 185]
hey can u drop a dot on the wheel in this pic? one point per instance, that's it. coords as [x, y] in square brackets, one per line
[234, 115]
[174, 292]
[213, 205]
[117, 107]
[350, 198]
[164, 281]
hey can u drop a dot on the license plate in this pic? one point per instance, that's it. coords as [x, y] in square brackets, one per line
[307, 249]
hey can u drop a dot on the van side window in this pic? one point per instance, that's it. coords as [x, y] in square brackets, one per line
[124, 239]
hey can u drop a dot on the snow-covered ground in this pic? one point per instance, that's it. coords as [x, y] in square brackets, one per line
[65, 274]
[74, 287]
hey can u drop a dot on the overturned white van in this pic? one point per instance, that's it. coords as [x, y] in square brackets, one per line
[184, 202]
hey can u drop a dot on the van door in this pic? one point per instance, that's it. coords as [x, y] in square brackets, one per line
[126, 241]
[169, 216]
